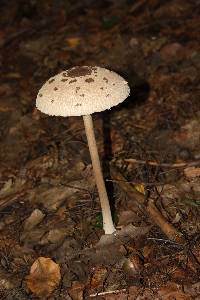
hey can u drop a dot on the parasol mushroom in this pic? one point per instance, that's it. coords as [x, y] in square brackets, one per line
[82, 91]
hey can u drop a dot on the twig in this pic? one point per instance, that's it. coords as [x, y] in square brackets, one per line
[9, 200]
[167, 165]
[137, 182]
[12, 194]
[168, 229]
[108, 293]
[137, 6]
[163, 240]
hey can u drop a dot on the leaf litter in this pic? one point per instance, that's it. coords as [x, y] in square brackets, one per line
[48, 201]
[44, 277]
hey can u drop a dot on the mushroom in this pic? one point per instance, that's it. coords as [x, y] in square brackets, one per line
[82, 91]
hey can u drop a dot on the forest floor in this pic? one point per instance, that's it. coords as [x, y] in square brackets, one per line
[50, 215]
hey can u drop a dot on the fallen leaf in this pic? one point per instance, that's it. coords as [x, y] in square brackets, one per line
[73, 42]
[192, 172]
[173, 291]
[76, 291]
[5, 109]
[98, 277]
[139, 188]
[176, 295]
[44, 277]
[54, 236]
[34, 219]
[193, 289]
[171, 50]
[125, 217]
[7, 185]
[133, 265]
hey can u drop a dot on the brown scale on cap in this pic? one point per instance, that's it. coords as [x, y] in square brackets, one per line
[105, 79]
[40, 95]
[55, 89]
[79, 71]
[78, 104]
[63, 80]
[51, 80]
[71, 81]
[89, 80]
[77, 88]
[101, 88]
[82, 95]
[95, 71]
[64, 74]
[52, 101]
[107, 95]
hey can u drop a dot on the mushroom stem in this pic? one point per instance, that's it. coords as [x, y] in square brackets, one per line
[108, 225]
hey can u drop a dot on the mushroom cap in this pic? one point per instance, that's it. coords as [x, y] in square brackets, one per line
[81, 91]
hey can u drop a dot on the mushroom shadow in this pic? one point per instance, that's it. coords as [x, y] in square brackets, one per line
[139, 90]
[139, 93]
[108, 154]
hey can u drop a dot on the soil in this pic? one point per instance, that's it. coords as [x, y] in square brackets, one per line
[149, 148]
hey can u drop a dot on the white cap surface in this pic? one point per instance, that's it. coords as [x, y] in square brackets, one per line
[81, 91]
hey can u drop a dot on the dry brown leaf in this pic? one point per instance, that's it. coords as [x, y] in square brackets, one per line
[176, 295]
[76, 291]
[44, 277]
[73, 42]
[192, 172]
[133, 265]
[34, 219]
[140, 188]
[98, 277]
[173, 291]
[193, 289]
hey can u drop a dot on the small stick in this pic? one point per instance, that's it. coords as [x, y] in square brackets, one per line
[137, 6]
[167, 165]
[10, 200]
[168, 229]
[107, 293]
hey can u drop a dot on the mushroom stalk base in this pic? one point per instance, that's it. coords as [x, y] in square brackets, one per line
[107, 218]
